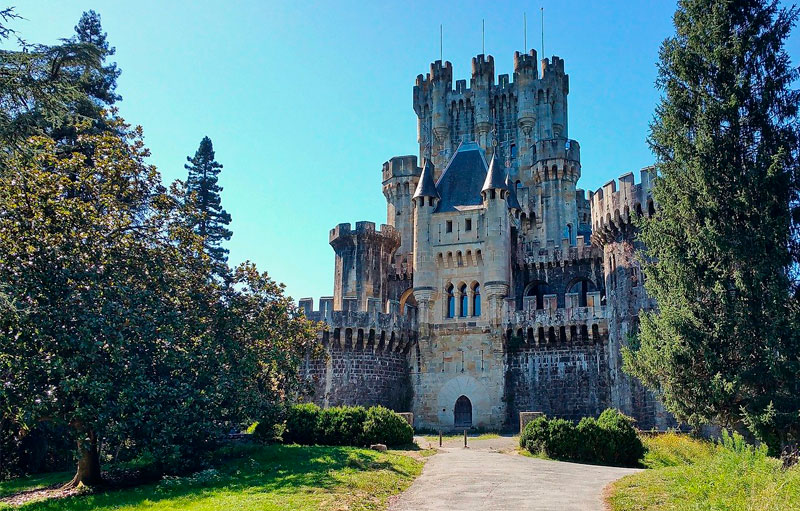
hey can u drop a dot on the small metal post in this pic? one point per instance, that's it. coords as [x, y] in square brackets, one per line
[465, 437]
[440, 438]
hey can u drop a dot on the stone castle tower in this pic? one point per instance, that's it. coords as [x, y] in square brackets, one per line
[496, 286]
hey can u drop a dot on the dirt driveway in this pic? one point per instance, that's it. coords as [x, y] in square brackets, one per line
[488, 476]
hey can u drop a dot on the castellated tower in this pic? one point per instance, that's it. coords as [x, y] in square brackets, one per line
[400, 177]
[363, 258]
[613, 214]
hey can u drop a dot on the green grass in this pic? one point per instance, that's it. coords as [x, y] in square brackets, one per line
[34, 482]
[697, 475]
[273, 477]
[454, 436]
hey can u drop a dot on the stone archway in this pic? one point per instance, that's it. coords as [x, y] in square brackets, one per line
[462, 413]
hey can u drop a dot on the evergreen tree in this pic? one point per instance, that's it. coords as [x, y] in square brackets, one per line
[99, 84]
[722, 249]
[205, 213]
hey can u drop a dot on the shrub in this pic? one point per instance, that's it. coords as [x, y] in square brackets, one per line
[302, 424]
[342, 425]
[611, 439]
[562, 440]
[534, 435]
[623, 443]
[383, 426]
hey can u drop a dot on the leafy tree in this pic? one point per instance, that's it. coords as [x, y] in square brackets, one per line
[722, 249]
[206, 216]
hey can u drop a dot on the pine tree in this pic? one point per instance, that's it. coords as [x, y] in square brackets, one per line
[206, 215]
[724, 344]
[99, 84]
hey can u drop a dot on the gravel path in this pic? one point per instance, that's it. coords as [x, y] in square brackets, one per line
[487, 476]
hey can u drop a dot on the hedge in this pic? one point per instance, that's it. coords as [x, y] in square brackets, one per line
[308, 424]
[611, 439]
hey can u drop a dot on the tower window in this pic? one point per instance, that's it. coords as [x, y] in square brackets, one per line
[476, 300]
[468, 224]
[464, 300]
[449, 226]
[451, 302]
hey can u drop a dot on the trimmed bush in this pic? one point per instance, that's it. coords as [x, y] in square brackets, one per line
[383, 426]
[342, 425]
[611, 439]
[302, 424]
[562, 440]
[535, 434]
[625, 447]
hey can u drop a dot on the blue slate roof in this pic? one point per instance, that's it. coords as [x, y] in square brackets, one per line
[460, 184]
[426, 187]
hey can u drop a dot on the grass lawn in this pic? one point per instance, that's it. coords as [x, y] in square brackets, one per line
[275, 477]
[688, 474]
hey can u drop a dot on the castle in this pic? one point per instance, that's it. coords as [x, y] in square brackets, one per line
[496, 285]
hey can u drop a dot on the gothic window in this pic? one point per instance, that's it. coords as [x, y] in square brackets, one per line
[476, 300]
[451, 302]
[464, 300]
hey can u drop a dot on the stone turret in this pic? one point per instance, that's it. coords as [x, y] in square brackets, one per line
[363, 258]
[481, 85]
[400, 178]
[498, 239]
[425, 200]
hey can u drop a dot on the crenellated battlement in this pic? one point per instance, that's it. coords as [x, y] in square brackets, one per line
[534, 254]
[526, 64]
[613, 207]
[557, 149]
[483, 72]
[343, 233]
[400, 167]
[382, 328]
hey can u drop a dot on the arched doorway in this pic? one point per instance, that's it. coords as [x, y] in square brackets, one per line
[462, 413]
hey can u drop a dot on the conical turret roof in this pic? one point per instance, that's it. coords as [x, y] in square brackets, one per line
[426, 187]
[496, 177]
[513, 201]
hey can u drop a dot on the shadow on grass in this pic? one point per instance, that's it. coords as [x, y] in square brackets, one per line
[259, 469]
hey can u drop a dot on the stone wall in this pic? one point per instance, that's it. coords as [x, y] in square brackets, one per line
[564, 380]
[367, 378]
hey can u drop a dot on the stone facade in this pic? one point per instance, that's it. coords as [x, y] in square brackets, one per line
[496, 282]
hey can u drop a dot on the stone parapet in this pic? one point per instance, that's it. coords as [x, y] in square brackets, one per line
[343, 232]
[535, 254]
[614, 208]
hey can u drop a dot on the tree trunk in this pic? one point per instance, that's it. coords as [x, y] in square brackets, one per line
[88, 472]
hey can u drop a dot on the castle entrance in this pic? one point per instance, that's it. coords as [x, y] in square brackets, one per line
[462, 413]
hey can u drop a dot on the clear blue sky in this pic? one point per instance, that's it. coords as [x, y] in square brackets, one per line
[305, 100]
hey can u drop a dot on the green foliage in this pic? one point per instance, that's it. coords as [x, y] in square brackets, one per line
[342, 425]
[535, 434]
[204, 206]
[308, 424]
[611, 439]
[699, 475]
[302, 424]
[622, 443]
[722, 250]
[383, 426]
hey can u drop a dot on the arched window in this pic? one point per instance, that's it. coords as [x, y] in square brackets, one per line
[476, 300]
[538, 289]
[582, 286]
[464, 300]
[451, 302]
